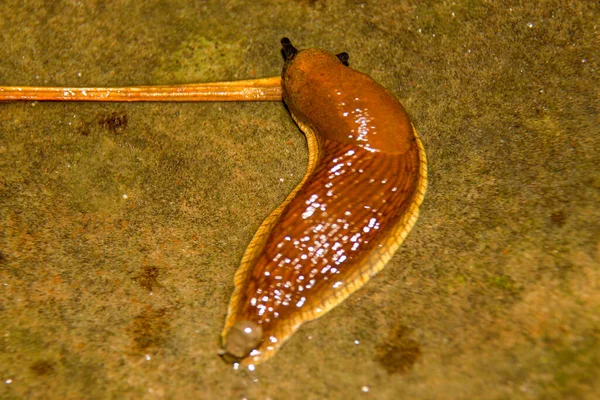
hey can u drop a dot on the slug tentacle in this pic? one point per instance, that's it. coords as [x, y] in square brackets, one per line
[343, 57]
[288, 49]
[359, 199]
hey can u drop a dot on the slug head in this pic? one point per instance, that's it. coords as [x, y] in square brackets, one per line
[243, 337]
[341, 104]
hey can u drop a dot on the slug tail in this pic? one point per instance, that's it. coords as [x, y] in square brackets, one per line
[259, 240]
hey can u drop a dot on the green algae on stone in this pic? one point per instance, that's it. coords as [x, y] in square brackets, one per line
[200, 58]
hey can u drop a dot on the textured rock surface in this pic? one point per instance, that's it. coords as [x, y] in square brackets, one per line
[121, 225]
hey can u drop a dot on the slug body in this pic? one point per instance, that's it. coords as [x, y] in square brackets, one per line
[359, 199]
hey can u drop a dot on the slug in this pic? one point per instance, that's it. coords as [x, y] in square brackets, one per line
[359, 199]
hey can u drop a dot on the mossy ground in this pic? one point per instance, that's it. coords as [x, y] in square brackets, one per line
[121, 225]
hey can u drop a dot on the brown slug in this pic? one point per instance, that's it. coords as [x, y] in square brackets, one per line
[357, 202]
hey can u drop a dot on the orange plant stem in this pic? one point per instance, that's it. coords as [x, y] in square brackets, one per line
[264, 89]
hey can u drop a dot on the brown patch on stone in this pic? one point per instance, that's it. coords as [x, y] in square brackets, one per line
[115, 122]
[150, 329]
[398, 353]
[147, 278]
[310, 3]
[41, 368]
[84, 129]
[558, 218]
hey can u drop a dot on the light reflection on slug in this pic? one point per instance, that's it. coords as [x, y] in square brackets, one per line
[358, 201]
